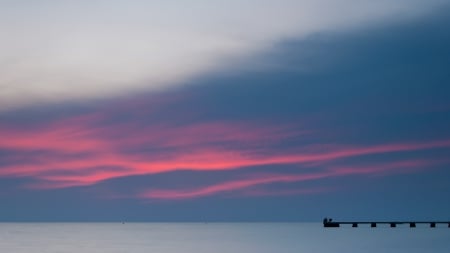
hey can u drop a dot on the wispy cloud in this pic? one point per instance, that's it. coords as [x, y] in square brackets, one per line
[245, 187]
[226, 186]
[88, 149]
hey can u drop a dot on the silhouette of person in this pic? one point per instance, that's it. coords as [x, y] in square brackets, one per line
[325, 220]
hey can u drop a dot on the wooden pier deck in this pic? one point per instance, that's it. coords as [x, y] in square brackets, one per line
[374, 224]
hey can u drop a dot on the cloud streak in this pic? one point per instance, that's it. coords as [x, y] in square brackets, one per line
[243, 187]
[86, 150]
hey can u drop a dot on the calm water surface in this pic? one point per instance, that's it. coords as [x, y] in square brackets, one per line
[216, 237]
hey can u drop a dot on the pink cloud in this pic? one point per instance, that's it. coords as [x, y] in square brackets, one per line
[79, 145]
[245, 187]
[227, 186]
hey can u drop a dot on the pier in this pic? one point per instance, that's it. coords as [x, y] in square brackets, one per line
[329, 223]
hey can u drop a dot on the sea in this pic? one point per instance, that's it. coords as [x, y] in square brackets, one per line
[217, 238]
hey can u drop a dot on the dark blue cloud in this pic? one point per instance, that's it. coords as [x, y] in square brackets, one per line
[388, 82]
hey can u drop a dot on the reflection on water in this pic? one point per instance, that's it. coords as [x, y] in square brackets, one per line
[216, 237]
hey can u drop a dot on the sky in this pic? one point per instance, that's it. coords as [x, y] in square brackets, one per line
[224, 111]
